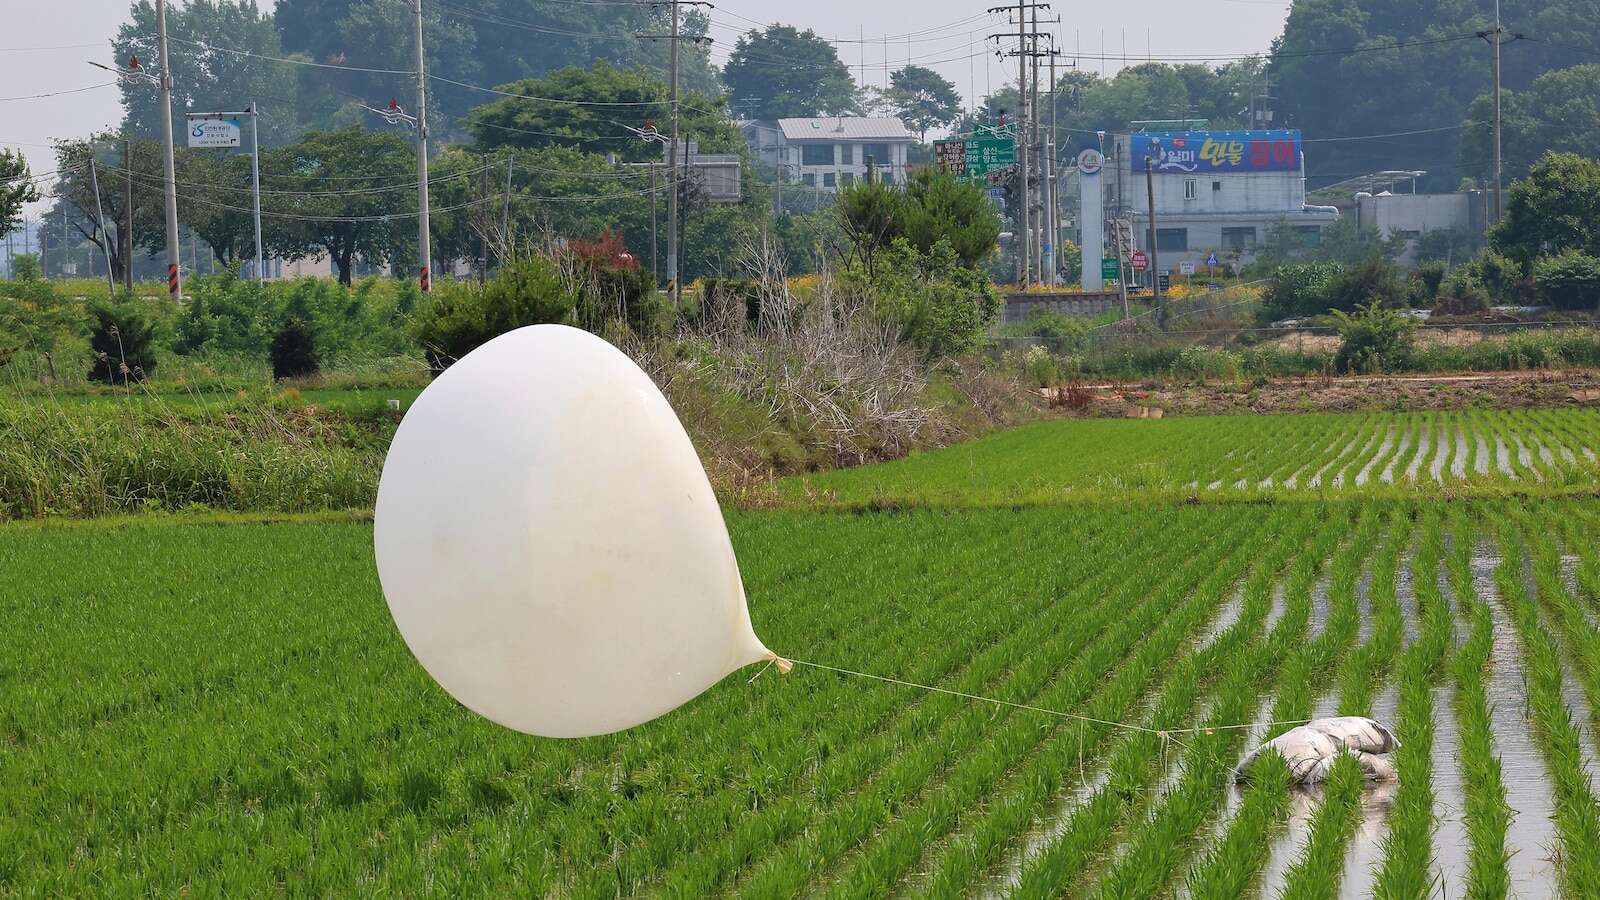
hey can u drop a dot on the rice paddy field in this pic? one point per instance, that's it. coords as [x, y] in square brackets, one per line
[224, 707]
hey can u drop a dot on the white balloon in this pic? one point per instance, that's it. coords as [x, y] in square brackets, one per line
[549, 544]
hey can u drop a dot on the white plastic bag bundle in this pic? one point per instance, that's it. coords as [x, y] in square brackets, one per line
[1313, 748]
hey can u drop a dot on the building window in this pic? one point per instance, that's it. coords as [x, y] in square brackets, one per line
[1309, 235]
[880, 153]
[816, 154]
[847, 178]
[1239, 238]
[1405, 235]
[1216, 187]
[1191, 189]
[847, 154]
[828, 179]
[809, 179]
[1172, 240]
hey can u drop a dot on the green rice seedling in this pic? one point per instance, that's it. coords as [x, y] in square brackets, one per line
[1408, 844]
[1318, 871]
[1038, 784]
[1487, 814]
[1231, 868]
[1577, 811]
[899, 843]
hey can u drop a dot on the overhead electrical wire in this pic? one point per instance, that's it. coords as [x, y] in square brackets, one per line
[80, 90]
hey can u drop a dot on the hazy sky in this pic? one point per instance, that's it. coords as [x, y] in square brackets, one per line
[69, 32]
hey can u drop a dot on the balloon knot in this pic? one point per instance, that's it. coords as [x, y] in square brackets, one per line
[784, 665]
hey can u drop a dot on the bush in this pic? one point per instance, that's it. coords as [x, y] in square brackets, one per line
[1498, 274]
[122, 338]
[1461, 295]
[940, 306]
[1376, 281]
[1203, 364]
[25, 267]
[1569, 281]
[1040, 366]
[293, 351]
[1298, 289]
[460, 316]
[1067, 331]
[1425, 283]
[1374, 340]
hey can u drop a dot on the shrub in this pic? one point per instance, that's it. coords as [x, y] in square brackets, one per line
[940, 306]
[293, 351]
[25, 267]
[460, 316]
[1376, 281]
[1040, 366]
[1461, 295]
[1498, 274]
[1569, 281]
[122, 337]
[1299, 289]
[1202, 364]
[1425, 283]
[1374, 340]
[1068, 331]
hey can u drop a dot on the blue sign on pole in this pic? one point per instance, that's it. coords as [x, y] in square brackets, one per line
[1212, 259]
[1188, 152]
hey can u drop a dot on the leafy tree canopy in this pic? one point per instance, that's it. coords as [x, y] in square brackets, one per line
[782, 72]
[1555, 209]
[16, 188]
[923, 99]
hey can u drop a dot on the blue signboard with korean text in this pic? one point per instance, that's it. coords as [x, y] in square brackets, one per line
[1188, 152]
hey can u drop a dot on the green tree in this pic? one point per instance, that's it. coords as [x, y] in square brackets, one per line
[82, 204]
[1569, 280]
[938, 207]
[781, 72]
[204, 77]
[1374, 340]
[16, 188]
[1555, 209]
[923, 99]
[1559, 112]
[354, 198]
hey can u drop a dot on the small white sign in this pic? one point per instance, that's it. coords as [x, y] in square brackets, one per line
[207, 131]
[1090, 162]
[1186, 268]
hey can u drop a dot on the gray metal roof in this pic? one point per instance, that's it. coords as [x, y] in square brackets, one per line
[845, 128]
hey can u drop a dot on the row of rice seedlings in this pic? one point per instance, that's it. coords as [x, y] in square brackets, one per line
[1089, 829]
[1577, 812]
[1317, 872]
[1157, 850]
[1487, 815]
[764, 740]
[1235, 860]
[1320, 868]
[1036, 787]
[1256, 452]
[791, 730]
[793, 806]
[926, 799]
[1407, 869]
[1580, 636]
[783, 734]
[1321, 441]
[260, 729]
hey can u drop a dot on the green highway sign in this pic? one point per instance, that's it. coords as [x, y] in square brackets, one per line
[1110, 269]
[975, 157]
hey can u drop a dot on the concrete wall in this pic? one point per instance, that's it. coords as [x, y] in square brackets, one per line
[1018, 306]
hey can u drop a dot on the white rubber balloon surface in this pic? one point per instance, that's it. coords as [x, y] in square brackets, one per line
[548, 542]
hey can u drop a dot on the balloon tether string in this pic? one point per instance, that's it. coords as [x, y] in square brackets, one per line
[785, 664]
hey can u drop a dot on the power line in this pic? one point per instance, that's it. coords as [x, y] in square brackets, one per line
[59, 93]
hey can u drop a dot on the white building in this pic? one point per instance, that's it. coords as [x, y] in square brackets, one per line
[1410, 216]
[1215, 192]
[831, 152]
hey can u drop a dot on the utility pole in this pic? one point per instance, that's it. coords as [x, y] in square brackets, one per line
[672, 168]
[255, 185]
[1052, 207]
[1022, 140]
[170, 176]
[1155, 264]
[125, 243]
[424, 252]
[673, 176]
[1497, 38]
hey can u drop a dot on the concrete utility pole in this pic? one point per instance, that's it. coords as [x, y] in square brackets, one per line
[255, 185]
[100, 222]
[1025, 202]
[170, 175]
[424, 252]
[1497, 38]
[1052, 229]
[672, 166]
[126, 240]
[1155, 265]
